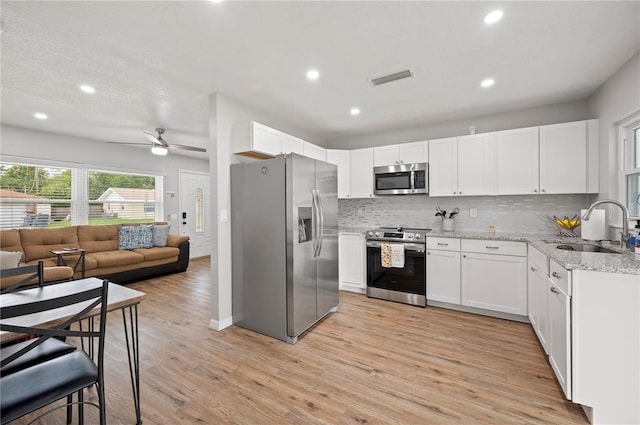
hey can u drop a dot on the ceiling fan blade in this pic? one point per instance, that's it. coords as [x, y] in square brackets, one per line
[153, 138]
[129, 143]
[186, 148]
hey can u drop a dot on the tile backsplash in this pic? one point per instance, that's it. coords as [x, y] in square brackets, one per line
[507, 213]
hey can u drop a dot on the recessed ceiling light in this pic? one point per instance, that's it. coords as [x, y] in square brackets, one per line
[355, 111]
[313, 74]
[40, 116]
[87, 89]
[487, 83]
[492, 17]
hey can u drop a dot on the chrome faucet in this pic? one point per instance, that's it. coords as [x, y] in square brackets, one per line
[624, 235]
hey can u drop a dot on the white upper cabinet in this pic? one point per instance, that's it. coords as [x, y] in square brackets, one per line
[476, 165]
[342, 159]
[291, 144]
[386, 155]
[443, 167]
[563, 158]
[361, 170]
[518, 161]
[462, 166]
[316, 152]
[558, 158]
[406, 153]
[266, 142]
[265, 139]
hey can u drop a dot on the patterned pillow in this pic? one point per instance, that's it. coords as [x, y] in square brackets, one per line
[10, 259]
[160, 234]
[132, 237]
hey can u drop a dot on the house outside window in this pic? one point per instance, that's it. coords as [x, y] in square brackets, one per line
[34, 196]
[121, 198]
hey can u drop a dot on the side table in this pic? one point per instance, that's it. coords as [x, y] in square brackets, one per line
[61, 253]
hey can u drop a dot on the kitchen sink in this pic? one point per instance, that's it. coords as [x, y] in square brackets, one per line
[586, 248]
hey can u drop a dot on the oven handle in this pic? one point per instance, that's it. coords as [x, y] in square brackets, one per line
[415, 247]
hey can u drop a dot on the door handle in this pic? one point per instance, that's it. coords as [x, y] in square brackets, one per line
[316, 223]
[321, 224]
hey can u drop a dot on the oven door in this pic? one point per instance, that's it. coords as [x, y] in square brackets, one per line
[410, 279]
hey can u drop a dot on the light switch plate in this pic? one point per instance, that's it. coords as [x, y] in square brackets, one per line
[473, 212]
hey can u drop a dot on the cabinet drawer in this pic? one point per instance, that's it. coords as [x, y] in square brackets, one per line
[443, 244]
[560, 276]
[494, 247]
[539, 261]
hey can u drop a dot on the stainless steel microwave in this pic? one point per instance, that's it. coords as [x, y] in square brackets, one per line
[403, 179]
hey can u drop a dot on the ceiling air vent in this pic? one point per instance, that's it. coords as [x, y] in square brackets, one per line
[391, 77]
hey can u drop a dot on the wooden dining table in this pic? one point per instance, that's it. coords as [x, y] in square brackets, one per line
[119, 298]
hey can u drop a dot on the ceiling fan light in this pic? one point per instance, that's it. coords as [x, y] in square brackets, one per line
[159, 150]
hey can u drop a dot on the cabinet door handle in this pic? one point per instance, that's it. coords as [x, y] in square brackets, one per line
[535, 190]
[554, 290]
[542, 190]
[533, 269]
[492, 247]
[556, 275]
[428, 253]
[464, 255]
[442, 244]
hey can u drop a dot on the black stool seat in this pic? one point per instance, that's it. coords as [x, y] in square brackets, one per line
[48, 350]
[37, 386]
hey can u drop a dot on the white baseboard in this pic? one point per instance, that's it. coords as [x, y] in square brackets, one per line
[220, 325]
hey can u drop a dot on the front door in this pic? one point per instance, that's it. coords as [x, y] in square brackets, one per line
[195, 203]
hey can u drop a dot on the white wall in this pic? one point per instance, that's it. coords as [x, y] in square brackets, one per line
[542, 115]
[56, 149]
[615, 100]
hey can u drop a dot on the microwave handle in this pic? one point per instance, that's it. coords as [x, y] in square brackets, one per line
[413, 179]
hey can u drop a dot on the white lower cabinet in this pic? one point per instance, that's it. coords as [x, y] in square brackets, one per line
[443, 276]
[559, 310]
[492, 281]
[538, 287]
[352, 262]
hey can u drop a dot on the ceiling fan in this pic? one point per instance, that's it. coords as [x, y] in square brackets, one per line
[159, 146]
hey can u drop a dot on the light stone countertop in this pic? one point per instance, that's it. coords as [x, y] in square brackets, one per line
[625, 263]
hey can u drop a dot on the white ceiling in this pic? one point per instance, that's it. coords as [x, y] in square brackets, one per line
[154, 63]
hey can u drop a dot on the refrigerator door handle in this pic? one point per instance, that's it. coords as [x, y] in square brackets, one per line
[316, 220]
[321, 215]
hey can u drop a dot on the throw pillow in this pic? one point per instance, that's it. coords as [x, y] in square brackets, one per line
[160, 234]
[132, 237]
[10, 259]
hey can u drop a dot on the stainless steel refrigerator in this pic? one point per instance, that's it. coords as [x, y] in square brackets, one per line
[284, 229]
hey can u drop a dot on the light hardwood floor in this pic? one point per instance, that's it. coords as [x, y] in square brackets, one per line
[372, 362]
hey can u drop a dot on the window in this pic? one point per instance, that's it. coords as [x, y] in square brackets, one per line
[630, 136]
[42, 196]
[199, 211]
[121, 198]
[33, 196]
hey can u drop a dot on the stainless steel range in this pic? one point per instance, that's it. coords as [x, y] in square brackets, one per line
[396, 266]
